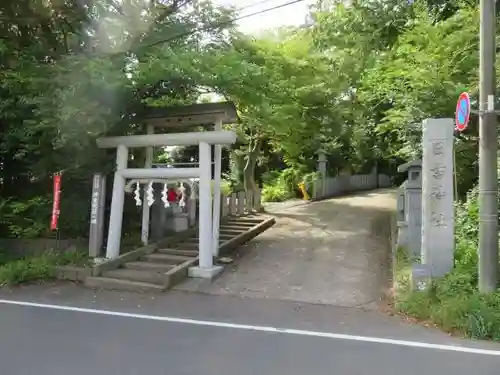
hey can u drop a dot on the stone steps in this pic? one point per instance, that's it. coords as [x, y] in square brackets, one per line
[234, 228]
[165, 267]
[148, 266]
[152, 277]
[237, 226]
[100, 282]
[186, 253]
[187, 246]
[243, 221]
[165, 258]
[222, 236]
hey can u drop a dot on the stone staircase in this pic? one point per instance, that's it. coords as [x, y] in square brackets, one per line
[166, 264]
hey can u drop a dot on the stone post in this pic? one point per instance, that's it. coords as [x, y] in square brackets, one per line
[116, 214]
[146, 213]
[205, 218]
[97, 215]
[225, 206]
[241, 203]
[205, 268]
[437, 196]
[322, 171]
[402, 235]
[412, 206]
[233, 209]
[192, 211]
[216, 210]
[158, 214]
[249, 201]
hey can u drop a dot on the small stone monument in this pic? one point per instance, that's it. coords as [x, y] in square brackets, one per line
[420, 277]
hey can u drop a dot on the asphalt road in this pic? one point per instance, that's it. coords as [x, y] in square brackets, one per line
[42, 341]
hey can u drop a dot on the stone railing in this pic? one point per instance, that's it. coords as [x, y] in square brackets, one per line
[180, 219]
[344, 184]
[241, 203]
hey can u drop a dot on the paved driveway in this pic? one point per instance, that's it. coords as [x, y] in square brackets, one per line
[332, 252]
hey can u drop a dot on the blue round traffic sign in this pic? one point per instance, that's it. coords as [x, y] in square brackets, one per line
[462, 112]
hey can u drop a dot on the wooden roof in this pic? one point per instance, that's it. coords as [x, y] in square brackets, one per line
[191, 115]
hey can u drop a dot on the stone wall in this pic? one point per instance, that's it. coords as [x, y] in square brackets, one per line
[26, 247]
[345, 184]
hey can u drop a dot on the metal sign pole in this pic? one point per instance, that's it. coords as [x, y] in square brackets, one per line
[488, 181]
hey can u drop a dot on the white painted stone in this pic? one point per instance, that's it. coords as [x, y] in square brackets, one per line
[232, 204]
[146, 209]
[205, 209]
[249, 201]
[241, 203]
[216, 210]
[116, 214]
[225, 206]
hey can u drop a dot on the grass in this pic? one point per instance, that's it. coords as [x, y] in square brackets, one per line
[452, 303]
[40, 267]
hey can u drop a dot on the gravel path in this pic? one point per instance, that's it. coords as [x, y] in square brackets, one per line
[330, 252]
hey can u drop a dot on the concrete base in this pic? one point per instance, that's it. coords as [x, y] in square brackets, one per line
[205, 273]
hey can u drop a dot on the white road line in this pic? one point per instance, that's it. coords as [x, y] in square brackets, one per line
[299, 332]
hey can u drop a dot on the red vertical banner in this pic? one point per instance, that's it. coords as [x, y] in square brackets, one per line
[56, 202]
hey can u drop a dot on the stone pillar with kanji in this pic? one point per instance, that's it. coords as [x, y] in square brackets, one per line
[437, 196]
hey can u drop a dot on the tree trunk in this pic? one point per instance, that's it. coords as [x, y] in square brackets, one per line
[249, 169]
[237, 166]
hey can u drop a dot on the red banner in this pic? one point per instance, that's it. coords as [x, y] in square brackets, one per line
[57, 200]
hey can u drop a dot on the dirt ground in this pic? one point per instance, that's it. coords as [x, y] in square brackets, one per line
[333, 252]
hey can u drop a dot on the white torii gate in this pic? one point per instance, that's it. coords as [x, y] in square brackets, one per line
[209, 220]
[215, 114]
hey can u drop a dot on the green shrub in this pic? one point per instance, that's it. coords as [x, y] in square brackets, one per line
[275, 193]
[5, 256]
[21, 271]
[25, 219]
[454, 302]
[270, 177]
[39, 267]
[291, 178]
[225, 187]
[283, 185]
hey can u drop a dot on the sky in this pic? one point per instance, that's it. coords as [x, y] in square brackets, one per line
[290, 15]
